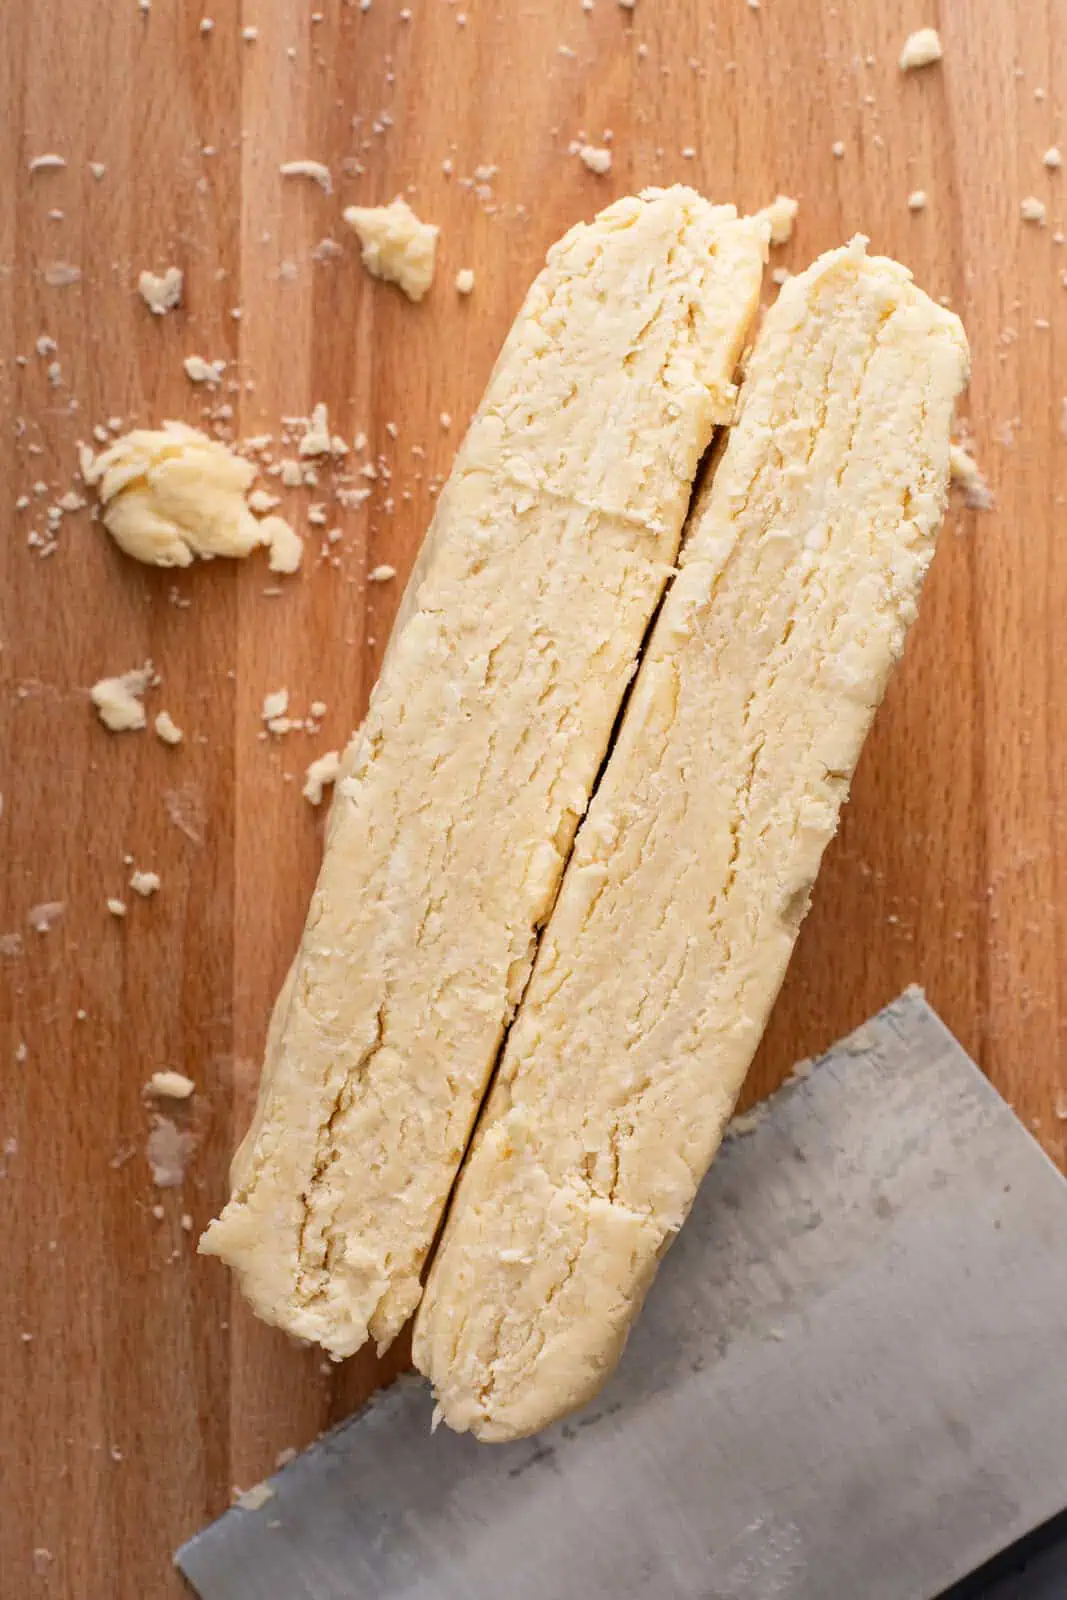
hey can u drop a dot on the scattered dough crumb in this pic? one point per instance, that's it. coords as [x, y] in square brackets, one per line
[917, 200]
[197, 370]
[116, 906]
[320, 773]
[170, 1085]
[286, 545]
[252, 1499]
[1033, 210]
[316, 170]
[465, 280]
[781, 214]
[47, 163]
[161, 292]
[275, 705]
[397, 246]
[175, 494]
[1052, 158]
[316, 440]
[167, 729]
[145, 883]
[921, 49]
[261, 501]
[381, 574]
[837, 149]
[596, 157]
[42, 918]
[966, 472]
[118, 700]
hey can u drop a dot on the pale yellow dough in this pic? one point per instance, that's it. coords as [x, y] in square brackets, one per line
[397, 246]
[456, 809]
[172, 494]
[692, 870]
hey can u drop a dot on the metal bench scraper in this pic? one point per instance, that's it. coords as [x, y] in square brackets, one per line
[849, 1382]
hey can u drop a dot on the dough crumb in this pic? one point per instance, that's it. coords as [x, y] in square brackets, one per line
[320, 774]
[316, 440]
[1033, 210]
[921, 49]
[116, 906]
[465, 280]
[197, 370]
[917, 200]
[118, 700]
[318, 171]
[967, 475]
[781, 214]
[381, 574]
[274, 708]
[167, 729]
[42, 918]
[173, 494]
[1052, 158]
[596, 157]
[170, 1085]
[50, 162]
[252, 1499]
[145, 883]
[161, 292]
[286, 545]
[397, 246]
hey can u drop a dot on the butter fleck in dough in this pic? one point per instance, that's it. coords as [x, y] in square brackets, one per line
[693, 868]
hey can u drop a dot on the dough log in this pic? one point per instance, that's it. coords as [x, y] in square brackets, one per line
[692, 870]
[552, 544]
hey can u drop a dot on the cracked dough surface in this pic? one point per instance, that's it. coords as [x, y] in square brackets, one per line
[692, 870]
[550, 549]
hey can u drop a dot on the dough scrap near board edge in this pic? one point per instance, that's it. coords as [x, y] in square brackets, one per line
[691, 872]
[552, 544]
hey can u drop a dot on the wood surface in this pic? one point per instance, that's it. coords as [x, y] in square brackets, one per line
[136, 1391]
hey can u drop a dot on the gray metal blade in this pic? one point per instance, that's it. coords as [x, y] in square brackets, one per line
[849, 1383]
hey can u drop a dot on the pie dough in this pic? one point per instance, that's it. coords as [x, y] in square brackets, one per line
[459, 799]
[693, 868]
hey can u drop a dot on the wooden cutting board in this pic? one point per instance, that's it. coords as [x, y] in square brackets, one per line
[135, 1389]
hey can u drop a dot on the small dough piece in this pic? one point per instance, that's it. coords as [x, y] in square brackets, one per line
[597, 157]
[171, 1085]
[551, 546]
[167, 729]
[320, 774]
[693, 868]
[145, 884]
[397, 247]
[967, 476]
[465, 280]
[921, 49]
[173, 494]
[161, 292]
[286, 545]
[780, 216]
[118, 701]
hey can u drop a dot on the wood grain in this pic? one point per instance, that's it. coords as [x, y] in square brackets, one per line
[136, 1390]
